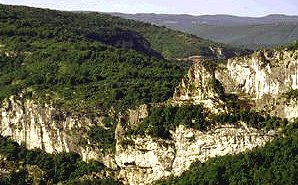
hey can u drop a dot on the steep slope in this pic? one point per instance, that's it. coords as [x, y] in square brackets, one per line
[152, 142]
[48, 55]
[200, 86]
[146, 144]
[247, 32]
[110, 30]
[275, 163]
[267, 81]
[268, 78]
[131, 158]
[85, 95]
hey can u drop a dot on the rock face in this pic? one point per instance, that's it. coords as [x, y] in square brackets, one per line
[147, 159]
[265, 72]
[196, 88]
[48, 129]
[140, 160]
[264, 77]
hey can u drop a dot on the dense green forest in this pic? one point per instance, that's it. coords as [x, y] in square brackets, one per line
[163, 119]
[43, 23]
[90, 62]
[62, 167]
[276, 163]
[81, 75]
[48, 55]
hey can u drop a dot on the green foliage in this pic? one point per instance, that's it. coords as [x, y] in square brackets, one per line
[104, 137]
[58, 167]
[52, 59]
[163, 119]
[293, 46]
[144, 37]
[291, 95]
[212, 65]
[252, 118]
[90, 62]
[276, 163]
[218, 88]
[233, 103]
[17, 177]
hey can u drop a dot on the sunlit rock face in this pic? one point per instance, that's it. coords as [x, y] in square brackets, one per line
[264, 77]
[48, 129]
[265, 72]
[196, 88]
[147, 159]
[139, 160]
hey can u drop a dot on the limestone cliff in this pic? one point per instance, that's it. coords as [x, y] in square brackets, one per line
[196, 88]
[265, 72]
[264, 77]
[49, 129]
[139, 160]
[147, 159]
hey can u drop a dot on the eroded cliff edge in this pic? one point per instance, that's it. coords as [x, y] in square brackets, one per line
[262, 78]
[138, 160]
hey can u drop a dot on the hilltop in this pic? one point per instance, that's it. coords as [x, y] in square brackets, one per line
[246, 32]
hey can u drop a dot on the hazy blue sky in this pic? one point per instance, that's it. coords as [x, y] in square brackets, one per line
[195, 7]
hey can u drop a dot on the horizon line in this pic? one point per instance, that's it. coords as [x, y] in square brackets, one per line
[155, 13]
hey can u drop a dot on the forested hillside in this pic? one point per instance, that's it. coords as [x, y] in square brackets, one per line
[106, 29]
[248, 32]
[90, 60]
[88, 98]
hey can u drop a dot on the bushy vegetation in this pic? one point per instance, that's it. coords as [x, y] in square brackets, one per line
[50, 56]
[106, 181]
[110, 30]
[276, 163]
[163, 119]
[87, 75]
[103, 138]
[289, 47]
[291, 95]
[252, 118]
[57, 167]
[218, 88]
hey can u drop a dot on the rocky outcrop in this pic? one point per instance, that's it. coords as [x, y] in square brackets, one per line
[138, 160]
[265, 72]
[196, 88]
[49, 129]
[147, 159]
[263, 78]
[282, 107]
